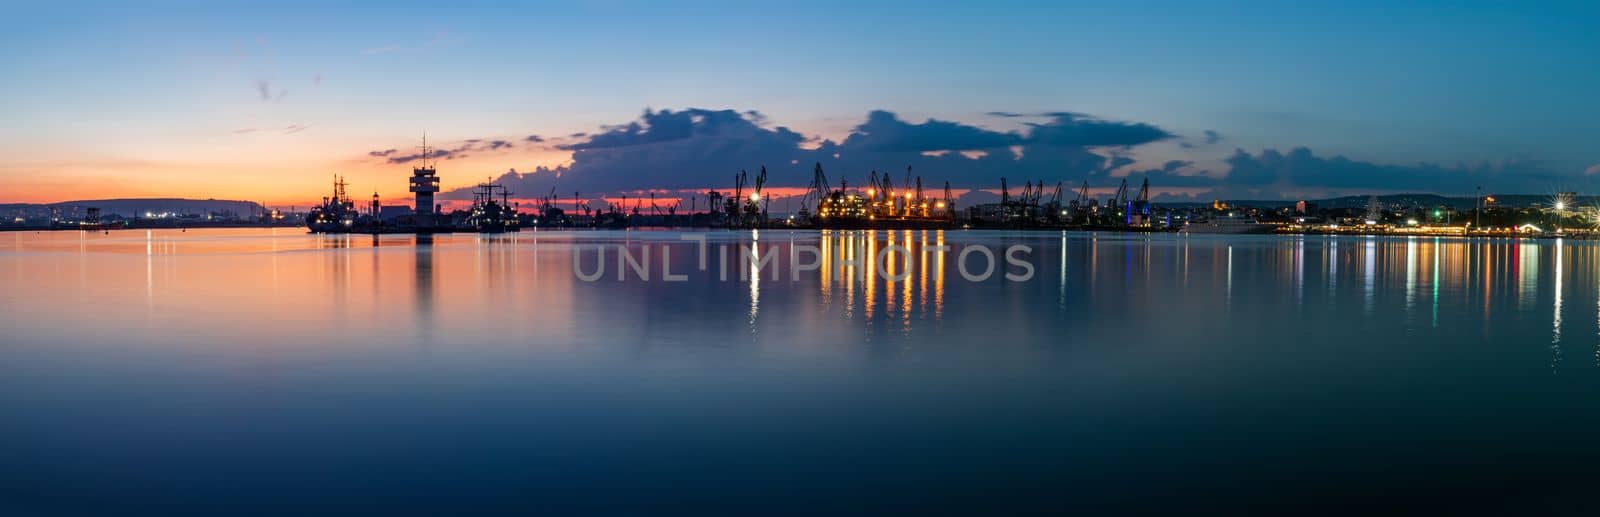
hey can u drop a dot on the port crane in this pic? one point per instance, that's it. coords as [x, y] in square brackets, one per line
[1053, 208]
[755, 209]
[816, 193]
[732, 214]
[1080, 205]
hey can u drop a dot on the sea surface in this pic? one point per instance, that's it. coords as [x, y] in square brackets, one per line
[260, 371]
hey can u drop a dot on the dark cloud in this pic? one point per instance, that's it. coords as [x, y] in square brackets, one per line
[1079, 130]
[264, 88]
[1301, 168]
[1212, 137]
[656, 127]
[884, 132]
[697, 149]
[1005, 114]
[692, 150]
[436, 154]
[534, 139]
[449, 153]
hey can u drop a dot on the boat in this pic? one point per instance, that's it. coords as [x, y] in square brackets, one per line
[1229, 224]
[880, 207]
[491, 215]
[336, 214]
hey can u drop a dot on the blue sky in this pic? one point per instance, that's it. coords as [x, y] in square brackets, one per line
[147, 99]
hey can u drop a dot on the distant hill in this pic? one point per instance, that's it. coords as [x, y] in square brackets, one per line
[132, 207]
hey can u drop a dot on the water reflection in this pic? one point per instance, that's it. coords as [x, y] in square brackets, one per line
[1555, 325]
[1474, 289]
[422, 285]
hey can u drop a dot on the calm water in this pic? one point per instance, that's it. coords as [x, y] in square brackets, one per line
[278, 372]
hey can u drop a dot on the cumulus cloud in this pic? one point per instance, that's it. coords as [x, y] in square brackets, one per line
[1079, 130]
[696, 149]
[885, 132]
[692, 150]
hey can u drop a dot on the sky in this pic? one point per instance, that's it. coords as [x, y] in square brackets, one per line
[1270, 100]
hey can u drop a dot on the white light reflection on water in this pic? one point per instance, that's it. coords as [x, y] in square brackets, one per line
[1555, 325]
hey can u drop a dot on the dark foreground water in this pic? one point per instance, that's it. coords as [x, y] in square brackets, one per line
[273, 372]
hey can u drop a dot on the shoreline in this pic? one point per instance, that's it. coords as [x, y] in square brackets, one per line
[1501, 234]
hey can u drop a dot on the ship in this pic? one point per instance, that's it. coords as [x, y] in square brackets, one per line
[489, 214]
[1229, 224]
[880, 207]
[336, 214]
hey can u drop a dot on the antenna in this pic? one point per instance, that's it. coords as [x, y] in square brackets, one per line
[425, 149]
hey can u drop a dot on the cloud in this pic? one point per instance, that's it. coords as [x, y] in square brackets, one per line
[1079, 130]
[459, 150]
[885, 132]
[1301, 168]
[534, 139]
[1212, 137]
[264, 90]
[1592, 170]
[381, 50]
[694, 149]
[436, 154]
[287, 130]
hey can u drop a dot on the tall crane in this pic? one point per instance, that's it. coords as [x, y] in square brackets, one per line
[756, 209]
[1120, 202]
[1053, 208]
[1080, 205]
[815, 193]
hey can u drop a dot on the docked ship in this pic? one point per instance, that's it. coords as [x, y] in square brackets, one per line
[881, 206]
[336, 214]
[490, 214]
[1230, 224]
